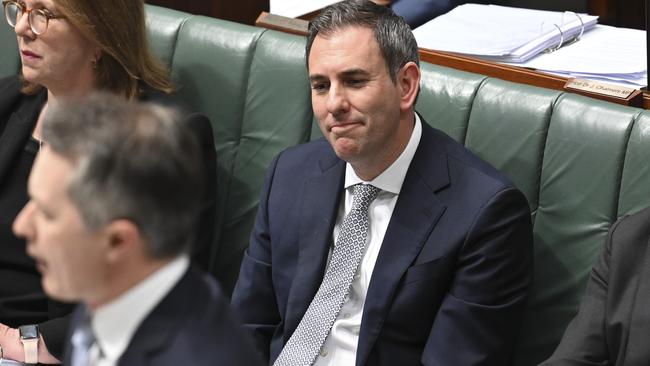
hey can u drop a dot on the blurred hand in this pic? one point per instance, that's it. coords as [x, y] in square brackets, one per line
[12, 349]
[382, 2]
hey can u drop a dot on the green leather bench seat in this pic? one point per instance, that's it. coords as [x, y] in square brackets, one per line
[581, 163]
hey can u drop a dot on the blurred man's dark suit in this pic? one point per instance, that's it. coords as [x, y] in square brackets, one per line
[192, 325]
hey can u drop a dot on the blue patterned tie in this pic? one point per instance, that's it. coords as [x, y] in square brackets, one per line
[82, 340]
[306, 341]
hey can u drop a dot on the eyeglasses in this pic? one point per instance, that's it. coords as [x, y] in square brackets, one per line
[38, 18]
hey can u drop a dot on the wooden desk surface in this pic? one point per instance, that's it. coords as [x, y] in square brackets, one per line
[459, 62]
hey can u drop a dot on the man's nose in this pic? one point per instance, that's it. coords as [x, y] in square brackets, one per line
[22, 225]
[337, 101]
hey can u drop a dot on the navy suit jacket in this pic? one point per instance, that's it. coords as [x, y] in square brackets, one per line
[418, 12]
[452, 274]
[192, 325]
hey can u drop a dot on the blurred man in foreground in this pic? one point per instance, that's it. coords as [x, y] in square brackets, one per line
[114, 198]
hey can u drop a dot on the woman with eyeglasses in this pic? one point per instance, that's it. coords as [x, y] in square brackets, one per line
[68, 48]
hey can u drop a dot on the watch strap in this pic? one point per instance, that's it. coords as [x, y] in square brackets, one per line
[30, 346]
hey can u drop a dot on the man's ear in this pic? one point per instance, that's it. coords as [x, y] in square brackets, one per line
[123, 239]
[408, 80]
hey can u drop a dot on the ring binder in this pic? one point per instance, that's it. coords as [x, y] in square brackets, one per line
[501, 33]
[582, 30]
[569, 41]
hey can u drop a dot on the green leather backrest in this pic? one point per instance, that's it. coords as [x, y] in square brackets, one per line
[446, 98]
[163, 27]
[277, 112]
[581, 163]
[9, 58]
[512, 139]
[257, 99]
[578, 198]
[635, 187]
[211, 63]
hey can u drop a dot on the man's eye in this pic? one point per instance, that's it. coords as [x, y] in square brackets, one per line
[319, 87]
[356, 82]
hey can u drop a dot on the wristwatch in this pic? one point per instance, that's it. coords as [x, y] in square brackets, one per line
[29, 338]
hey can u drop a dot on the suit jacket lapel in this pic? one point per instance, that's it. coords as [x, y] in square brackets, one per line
[17, 130]
[637, 351]
[416, 212]
[319, 207]
[160, 325]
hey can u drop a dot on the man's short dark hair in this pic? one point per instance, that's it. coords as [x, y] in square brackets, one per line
[393, 35]
[133, 161]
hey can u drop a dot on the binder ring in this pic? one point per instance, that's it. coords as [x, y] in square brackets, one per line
[559, 45]
[582, 30]
[582, 25]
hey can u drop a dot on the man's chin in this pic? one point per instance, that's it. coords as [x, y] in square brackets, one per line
[55, 292]
[348, 152]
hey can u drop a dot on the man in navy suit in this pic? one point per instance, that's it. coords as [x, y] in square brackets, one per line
[447, 256]
[418, 12]
[114, 197]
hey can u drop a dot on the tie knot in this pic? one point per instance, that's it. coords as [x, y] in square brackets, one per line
[364, 194]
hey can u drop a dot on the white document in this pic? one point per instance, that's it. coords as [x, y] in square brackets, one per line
[296, 8]
[603, 50]
[501, 33]
[605, 53]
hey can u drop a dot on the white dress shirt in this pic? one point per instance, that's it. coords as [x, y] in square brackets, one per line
[115, 323]
[340, 347]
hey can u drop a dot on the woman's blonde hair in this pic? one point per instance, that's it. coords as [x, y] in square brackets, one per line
[117, 28]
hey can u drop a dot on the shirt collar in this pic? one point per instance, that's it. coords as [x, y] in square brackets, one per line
[391, 179]
[115, 323]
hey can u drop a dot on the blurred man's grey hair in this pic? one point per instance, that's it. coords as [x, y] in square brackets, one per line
[134, 161]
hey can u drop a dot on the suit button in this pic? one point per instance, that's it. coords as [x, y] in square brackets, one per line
[323, 352]
[346, 315]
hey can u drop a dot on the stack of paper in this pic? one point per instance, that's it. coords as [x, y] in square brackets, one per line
[501, 33]
[615, 55]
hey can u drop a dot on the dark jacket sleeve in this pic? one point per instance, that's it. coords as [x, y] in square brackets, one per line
[482, 311]
[203, 250]
[55, 333]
